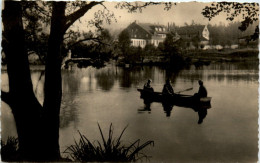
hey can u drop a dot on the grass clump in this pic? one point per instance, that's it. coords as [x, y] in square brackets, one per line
[108, 149]
[9, 149]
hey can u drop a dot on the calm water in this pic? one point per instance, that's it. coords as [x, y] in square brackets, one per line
[228, 133]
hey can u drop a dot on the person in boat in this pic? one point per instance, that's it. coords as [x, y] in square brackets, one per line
[148, 86]
[202, 90]
[167, 88]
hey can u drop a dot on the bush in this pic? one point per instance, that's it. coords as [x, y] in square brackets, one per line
[107, 150]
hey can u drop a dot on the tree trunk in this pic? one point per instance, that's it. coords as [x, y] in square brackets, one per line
[25, 107]
[37, 126]
[52, 86]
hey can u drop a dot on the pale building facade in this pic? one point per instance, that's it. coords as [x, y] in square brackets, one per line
[142, 34]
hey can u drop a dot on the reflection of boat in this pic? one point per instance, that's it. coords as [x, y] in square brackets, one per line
[176, 99]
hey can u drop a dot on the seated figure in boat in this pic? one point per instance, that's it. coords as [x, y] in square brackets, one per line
[148, 86]
[202, 90]
[167, 88]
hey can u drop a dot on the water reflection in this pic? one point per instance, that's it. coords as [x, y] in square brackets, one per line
[168, 107]
[88, 98]
[106, 79]
[69, 104]
[202, 112]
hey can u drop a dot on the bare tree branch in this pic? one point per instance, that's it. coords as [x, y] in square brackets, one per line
[70, 19]
[138, 6]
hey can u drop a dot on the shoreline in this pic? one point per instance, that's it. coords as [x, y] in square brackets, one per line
[196, 57]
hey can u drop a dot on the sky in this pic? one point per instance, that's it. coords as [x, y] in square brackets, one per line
[183, 12]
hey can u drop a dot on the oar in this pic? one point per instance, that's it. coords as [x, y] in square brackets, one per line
[185, 90]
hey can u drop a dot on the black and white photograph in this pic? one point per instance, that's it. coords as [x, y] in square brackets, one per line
[129, 81]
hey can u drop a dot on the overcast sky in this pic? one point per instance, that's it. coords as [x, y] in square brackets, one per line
[183, 12]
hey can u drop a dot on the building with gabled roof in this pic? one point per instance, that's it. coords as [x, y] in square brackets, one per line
[142, 34]
[194, 33]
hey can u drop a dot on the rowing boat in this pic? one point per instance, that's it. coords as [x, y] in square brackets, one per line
[176, 99]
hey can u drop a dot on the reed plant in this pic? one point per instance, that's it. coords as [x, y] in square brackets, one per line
[108, 150]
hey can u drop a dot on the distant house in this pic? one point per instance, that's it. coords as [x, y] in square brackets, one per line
[142, 34]
[194, 36]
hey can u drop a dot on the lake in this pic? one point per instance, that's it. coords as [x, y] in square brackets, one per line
[229, 132]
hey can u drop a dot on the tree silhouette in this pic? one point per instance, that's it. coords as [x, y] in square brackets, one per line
[248, 11]
[38, 125]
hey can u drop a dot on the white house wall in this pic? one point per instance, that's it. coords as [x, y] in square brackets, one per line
[156, 42]
[138, 42]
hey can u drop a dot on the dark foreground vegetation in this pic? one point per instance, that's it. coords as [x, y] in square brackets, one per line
[108, 150]
[9, 149]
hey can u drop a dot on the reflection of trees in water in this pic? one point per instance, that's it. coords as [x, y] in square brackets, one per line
[172, 74]
[69, 106]
[234, 66]
[234, 77]
[106, 79]
[135, 75]
[191, 75]
[71, 82]
[223, 71]
[216, 77]
[68, 111]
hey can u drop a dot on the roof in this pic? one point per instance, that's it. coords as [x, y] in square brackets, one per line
[192, 29]
[151, 28]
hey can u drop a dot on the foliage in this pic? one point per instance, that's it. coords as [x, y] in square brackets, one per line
[171, 52]
[33, 117]
[135, 54]
[133, 7]
[107, 150]
[99, 49]
[248, 11]
[124, 42]
[169, 46]
[37, 17]
[151, 50]
[9, 149]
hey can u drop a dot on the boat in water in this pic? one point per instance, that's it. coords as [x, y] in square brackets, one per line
[176, 99]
